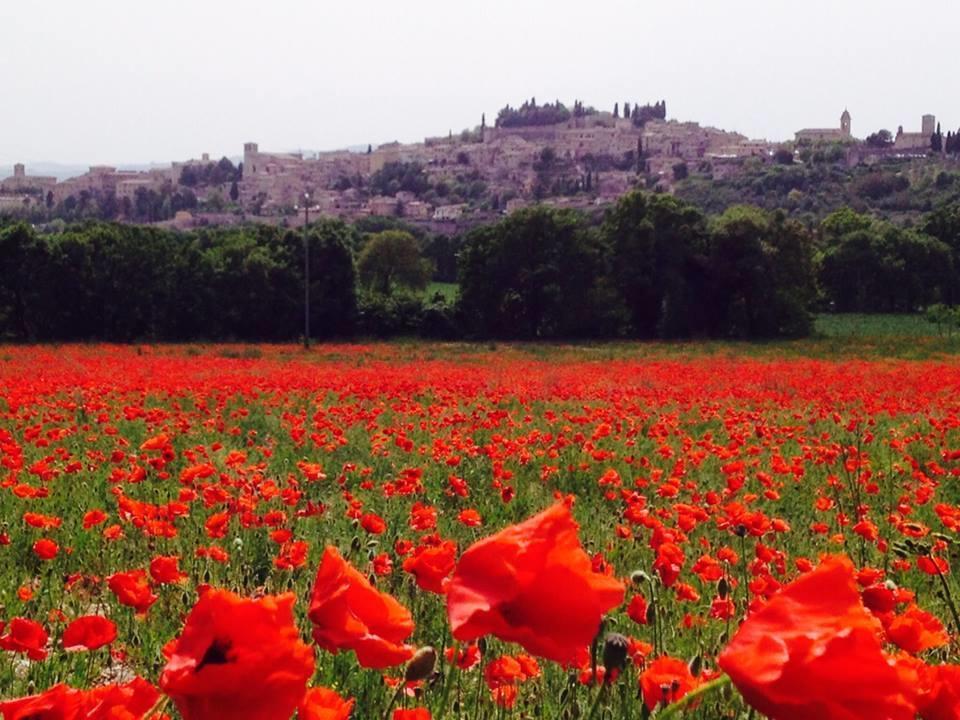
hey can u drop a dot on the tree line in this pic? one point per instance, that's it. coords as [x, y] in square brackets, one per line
[653, 266]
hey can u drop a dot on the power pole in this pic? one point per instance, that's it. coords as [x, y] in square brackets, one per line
[306, 271]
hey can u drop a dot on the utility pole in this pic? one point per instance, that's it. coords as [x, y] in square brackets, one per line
[306, 271]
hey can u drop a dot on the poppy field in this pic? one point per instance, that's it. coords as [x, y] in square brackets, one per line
[461, 532]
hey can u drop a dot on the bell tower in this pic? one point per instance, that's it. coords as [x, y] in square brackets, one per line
[845, 123]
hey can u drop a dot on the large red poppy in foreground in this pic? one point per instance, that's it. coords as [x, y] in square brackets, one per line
[532, 584]
[814, 651]
[238, 659]
[348, 613]
[109, 702]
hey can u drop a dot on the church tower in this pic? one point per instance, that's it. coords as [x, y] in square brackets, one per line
[845, 123]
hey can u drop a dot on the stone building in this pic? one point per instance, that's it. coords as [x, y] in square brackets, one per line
[916, 140]
[21, 183]
[827, 135]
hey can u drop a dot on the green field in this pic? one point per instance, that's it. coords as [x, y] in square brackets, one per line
[855, 325]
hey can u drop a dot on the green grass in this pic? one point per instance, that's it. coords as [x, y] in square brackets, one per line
[854, 325]
[447, 290]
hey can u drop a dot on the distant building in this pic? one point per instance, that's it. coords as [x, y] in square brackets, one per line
[916, 140]
[385, 206]
[20, 182]
[449, 212]
[821, 135]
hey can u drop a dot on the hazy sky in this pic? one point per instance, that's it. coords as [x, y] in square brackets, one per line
[111, 81]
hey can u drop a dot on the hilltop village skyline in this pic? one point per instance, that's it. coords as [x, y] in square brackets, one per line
[572, 155]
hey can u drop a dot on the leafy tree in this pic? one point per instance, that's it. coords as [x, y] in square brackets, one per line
[880, 139]
[392, 259]
[125, 282]
[395, 177]
[944, 225]
[531, 114]
[642, 115]
[783, 156]
[536, 274]
[871, 265]
[657, 244]
[761, 280]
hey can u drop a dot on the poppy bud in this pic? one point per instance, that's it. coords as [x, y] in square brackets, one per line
[615, 647]
[638, 577]
[482, 645]
[355, 544]
[740, 531]
[421, 665]
[723, 588]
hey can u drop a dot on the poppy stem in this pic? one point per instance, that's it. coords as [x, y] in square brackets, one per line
[948, 596]
[476, 695]
[674, 709]
[454, 669]
[596, 702]
[157, 710]
[393, 700]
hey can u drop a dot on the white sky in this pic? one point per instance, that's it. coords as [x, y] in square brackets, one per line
[113, 81]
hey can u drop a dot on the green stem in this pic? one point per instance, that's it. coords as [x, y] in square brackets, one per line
[393, 700]
[447, 682]
[596, 702]
[946, 591]
[675, 709]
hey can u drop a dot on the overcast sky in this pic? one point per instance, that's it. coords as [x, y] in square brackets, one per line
[114, 81]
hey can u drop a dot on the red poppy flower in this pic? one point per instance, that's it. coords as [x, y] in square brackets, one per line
[933, 565]
[324, 704]
[464, 657]
[431, 564]
[132, 590]
[238, 659]
[93, 518]
[533, 584]
[46, 549]
[89, 633]
[25, 636]
[413, 714]
[348, 613]
[58, 703]
[665, 681]
[916, 630]
[637, 609]
[470, 518]
[373, 524]
[120, 702]
[670, 559]
[814, 651]
[165, 570]
[941, 699]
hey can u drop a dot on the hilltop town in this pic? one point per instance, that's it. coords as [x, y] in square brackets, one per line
[536, 153]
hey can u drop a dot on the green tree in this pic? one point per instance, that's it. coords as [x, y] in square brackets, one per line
[869, 265]
[539, 273]
[657, 243]
[392, 259]
[760, 269]
[944, 225]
